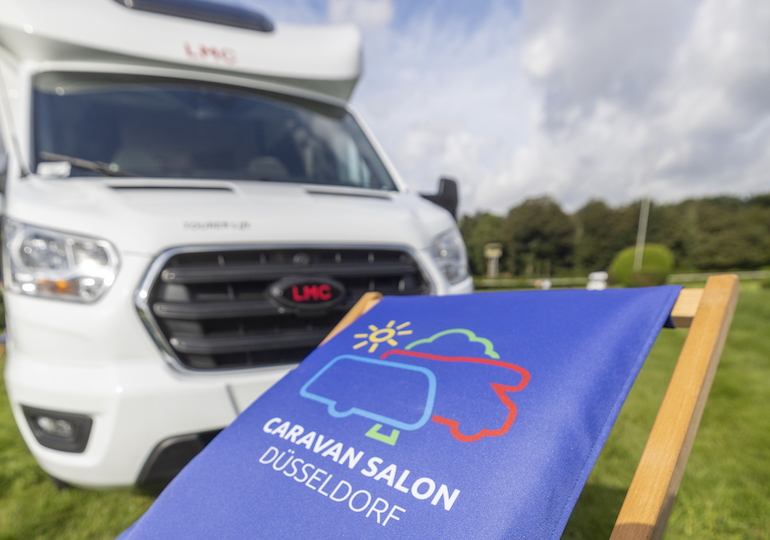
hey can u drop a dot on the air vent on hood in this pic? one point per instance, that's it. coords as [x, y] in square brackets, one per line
[207, 11]
[349, 192]
[155, 187]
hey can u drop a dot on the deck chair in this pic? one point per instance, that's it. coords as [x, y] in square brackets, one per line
[478, 416]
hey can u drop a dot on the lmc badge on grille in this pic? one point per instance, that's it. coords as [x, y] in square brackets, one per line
[307, 293]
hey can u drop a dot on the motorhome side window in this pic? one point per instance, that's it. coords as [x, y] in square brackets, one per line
[171, 128]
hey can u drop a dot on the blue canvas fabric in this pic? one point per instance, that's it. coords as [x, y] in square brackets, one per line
[474, 416]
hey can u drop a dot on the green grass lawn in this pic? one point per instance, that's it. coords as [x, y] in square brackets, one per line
[725, 493]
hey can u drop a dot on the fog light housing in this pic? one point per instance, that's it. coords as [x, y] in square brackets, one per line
[66, 432]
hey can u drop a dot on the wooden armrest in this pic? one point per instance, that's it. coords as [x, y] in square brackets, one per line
[685, 307]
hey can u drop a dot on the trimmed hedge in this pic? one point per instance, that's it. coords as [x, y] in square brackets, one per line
[657, 264]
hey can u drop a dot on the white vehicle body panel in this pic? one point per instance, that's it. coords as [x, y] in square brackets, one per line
[99, 359]
[325, 59]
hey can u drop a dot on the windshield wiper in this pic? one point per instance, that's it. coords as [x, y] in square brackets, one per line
[105, 169]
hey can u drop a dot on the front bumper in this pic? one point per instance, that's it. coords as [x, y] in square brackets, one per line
[134, 407]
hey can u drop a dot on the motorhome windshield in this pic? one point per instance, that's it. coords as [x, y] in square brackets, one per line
[171, 128]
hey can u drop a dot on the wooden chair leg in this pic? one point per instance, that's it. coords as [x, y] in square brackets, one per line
[656, 482]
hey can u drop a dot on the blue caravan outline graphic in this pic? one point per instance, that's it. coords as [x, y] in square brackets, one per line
[367, 414]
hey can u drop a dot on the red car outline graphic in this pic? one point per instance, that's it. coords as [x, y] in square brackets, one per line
[500, 389]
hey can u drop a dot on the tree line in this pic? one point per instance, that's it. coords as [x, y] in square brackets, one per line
[539, 239]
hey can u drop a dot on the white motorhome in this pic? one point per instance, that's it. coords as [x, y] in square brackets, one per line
[190, 205]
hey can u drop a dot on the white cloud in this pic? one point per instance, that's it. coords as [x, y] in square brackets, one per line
[365, 13]
[443, 100]
[699, 118]
[572, 99]
[503, 106]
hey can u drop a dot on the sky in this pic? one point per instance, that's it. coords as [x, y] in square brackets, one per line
[596, 99]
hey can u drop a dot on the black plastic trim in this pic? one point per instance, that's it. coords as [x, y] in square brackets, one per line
[446, 197]
[170, 456]
[204, 274]
[234, 344]
[225, 310]
[80, 422]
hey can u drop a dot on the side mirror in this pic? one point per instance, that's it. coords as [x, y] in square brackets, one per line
[446, 197]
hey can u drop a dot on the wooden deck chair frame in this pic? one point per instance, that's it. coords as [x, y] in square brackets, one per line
[708, 313]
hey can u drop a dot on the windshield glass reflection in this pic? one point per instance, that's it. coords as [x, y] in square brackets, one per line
[170, 128]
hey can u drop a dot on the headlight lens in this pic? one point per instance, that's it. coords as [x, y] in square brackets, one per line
[450, 255]
[43, 262]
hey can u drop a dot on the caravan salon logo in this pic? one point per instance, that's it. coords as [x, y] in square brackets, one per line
[403, 388]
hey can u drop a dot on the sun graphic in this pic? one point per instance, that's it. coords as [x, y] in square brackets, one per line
[382, 335]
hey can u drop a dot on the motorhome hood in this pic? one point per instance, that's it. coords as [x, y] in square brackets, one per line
[149, 216]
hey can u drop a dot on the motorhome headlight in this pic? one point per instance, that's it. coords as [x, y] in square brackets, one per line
[44, 262]
[450, 255]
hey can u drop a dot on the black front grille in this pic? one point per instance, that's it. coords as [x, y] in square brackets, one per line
[213, 310]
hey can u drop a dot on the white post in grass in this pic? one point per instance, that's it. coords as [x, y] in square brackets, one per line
[644, 213]
[641, 233]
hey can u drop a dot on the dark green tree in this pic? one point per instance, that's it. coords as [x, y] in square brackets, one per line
[602, 233]
[719, 233]
[595, 245]
[478, 231]
[673, 226]
[539, 238]
[732, 234]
